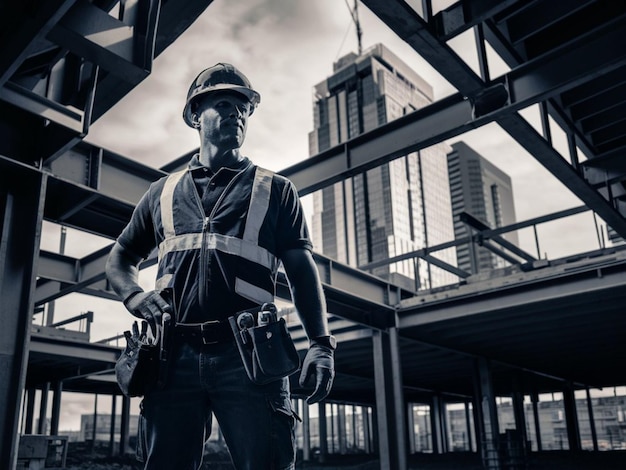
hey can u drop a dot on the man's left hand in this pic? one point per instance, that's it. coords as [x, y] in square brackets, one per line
[319, 361]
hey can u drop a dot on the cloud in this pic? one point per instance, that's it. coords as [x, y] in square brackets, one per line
[284, 47]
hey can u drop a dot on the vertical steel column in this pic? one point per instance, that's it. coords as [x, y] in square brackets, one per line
[355, 433]
[436, 425]
[306, 432]
[341, 428]
[518, 411]
[445, 435]
[94, 428]
[43, 409]
[374, 429]
[366, 429]
[323, 432]
[56, 408]
[125, 425]
[468, 426]
[487, 415]
[112, 428]
[22, 193]
[571, 418]
[390, 407]
[535, 399]
[592, 421]
[411, 427]
[332, 428]
[30, 410]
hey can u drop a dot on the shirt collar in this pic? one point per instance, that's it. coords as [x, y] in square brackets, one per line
[195, 164]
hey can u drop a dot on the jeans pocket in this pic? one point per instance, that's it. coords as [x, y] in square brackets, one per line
[283, 432]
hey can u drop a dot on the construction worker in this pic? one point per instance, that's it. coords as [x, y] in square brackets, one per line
[221, 226]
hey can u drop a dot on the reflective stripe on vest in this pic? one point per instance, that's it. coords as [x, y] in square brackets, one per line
[167, 201]
[246, 247]
[224, 243]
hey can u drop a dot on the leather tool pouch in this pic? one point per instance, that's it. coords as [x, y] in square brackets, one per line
[267, 351]
[136, 369]
[143, 363]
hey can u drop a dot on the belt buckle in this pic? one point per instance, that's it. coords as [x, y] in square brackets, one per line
[208, 327]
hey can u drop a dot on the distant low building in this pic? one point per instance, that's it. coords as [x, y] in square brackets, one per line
[103, 427]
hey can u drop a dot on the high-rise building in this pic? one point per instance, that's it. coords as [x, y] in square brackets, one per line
[399, 207]
[481, 189]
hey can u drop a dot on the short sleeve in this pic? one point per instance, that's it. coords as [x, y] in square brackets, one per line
[292, 231]
[138, 236]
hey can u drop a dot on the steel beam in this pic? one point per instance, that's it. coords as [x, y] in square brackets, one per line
[60, 275]
[417, 33]
[537, 80]
[491, 233]
[445, 266]
[350, 293]
[43, 107]
[484, 234]
[444, 119]
[530, 139]
[93, 34]
[465, 14]
[549, 285]
[52, 61]
[95, 190]
[453, 116]
[175, 17]
[112, 175]
[21, 31]
[71, 349]
[21, 209]
[480, 226]
[422, 128]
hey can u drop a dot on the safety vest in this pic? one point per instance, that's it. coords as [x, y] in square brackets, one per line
[187, 233]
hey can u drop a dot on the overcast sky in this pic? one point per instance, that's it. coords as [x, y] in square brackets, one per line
[285, 47]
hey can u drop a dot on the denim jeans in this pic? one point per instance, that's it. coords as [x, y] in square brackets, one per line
[257, 421]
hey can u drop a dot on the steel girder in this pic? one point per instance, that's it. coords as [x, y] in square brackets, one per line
[560, 321]
[96, 190]
[444, 119]
[540, 79]
[175, 17]
[66, 63]
[21, 207]
[350, 293]
[548, 285]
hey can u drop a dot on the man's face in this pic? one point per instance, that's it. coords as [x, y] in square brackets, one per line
[223, 118]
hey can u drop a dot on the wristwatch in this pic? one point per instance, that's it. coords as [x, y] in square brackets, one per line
[328, 341]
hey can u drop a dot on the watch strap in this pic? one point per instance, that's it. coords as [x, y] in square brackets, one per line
[328, 341]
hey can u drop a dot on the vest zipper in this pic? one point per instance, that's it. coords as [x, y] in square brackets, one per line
[204, 267]
[205, 258]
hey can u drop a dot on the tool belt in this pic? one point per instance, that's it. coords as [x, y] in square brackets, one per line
[210, 332]
[265, 346]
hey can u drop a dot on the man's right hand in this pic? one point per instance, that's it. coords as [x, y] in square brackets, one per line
[148, 305]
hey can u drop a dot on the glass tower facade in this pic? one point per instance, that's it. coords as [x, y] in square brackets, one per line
[396, 208]
[483, 190]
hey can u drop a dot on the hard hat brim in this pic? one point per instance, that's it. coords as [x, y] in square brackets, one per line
[252, 96]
